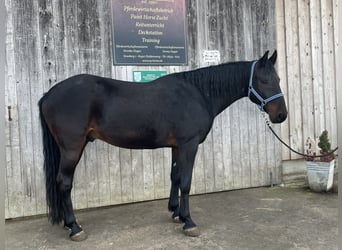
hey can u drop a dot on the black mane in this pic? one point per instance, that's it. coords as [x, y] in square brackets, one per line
[218, 80]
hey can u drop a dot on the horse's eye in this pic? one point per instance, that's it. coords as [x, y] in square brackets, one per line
[265, 81]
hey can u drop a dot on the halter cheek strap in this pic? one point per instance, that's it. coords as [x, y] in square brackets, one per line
[251, 89]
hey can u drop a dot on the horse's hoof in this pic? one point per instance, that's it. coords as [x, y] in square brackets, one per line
[79, 236]
[176, 219]
[192, 232]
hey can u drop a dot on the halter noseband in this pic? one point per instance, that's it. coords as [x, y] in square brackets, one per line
[251, 89]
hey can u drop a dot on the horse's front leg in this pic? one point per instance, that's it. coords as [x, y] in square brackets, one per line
[175, 180]
[186, 158]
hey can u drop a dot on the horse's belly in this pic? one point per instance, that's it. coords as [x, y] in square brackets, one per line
[135, 143]
[132, 139]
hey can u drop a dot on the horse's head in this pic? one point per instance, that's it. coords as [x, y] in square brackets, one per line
[264, 89]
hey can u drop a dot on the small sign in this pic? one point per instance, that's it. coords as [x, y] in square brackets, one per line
[211, 56]
[147, 76]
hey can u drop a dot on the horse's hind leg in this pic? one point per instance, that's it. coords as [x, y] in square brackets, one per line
[173, 205]
[68, 162]
[77, 233]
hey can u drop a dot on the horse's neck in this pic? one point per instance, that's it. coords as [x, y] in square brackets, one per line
[233, 85]
[220, 85]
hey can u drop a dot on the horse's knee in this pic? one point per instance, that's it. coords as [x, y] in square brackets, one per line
[174, 176]
[185, 186]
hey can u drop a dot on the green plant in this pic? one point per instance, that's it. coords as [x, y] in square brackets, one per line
[324, 143]
[325, 146]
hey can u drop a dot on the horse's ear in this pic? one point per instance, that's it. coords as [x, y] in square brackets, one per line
[264, 59]
[273, 58]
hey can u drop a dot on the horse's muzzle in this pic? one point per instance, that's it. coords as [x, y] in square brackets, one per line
[278, 117]
[276, 110]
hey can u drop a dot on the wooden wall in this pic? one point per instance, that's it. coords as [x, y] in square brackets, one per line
[307, 45]
[48, 40]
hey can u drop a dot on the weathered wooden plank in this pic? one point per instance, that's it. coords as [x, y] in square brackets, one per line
[328, 69]
[47, 64]
[137, 174]
[226, 151]
[317, 74]
[218, 154]
[192, 35]
[251, 27]
[228, 54]
[11, 126]
[114, 174]
[148, 175]
[167, 158]
[234, 114]
[126, 175]
[102, 167]
[91, 177]
[158, 173]
[335, 47]
[70, 20]
[14, 192]
[305, 59]
[282, 68]
[335, 8]
[294, 83]
[10, 84]
[8, 158]
[25, 38]
[208, 161]
[105, 23]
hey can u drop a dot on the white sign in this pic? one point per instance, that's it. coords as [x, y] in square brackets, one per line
[211, 56]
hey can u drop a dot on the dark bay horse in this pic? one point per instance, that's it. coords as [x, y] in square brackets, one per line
[175, 111]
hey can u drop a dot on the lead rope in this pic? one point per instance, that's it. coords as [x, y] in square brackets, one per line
[268, 123]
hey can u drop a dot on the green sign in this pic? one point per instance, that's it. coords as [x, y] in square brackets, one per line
[147, 76]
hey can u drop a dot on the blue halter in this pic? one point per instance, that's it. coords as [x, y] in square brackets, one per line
[263, 101]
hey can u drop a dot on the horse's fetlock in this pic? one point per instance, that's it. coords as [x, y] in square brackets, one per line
[173, 206]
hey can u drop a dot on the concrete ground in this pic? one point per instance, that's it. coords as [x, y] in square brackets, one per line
[260, 218]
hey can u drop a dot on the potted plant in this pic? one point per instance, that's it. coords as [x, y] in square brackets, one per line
[320, 163]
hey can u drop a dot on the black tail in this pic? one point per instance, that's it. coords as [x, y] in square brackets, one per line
[51, 165]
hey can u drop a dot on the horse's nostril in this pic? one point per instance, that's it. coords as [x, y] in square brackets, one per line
[281, 117]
